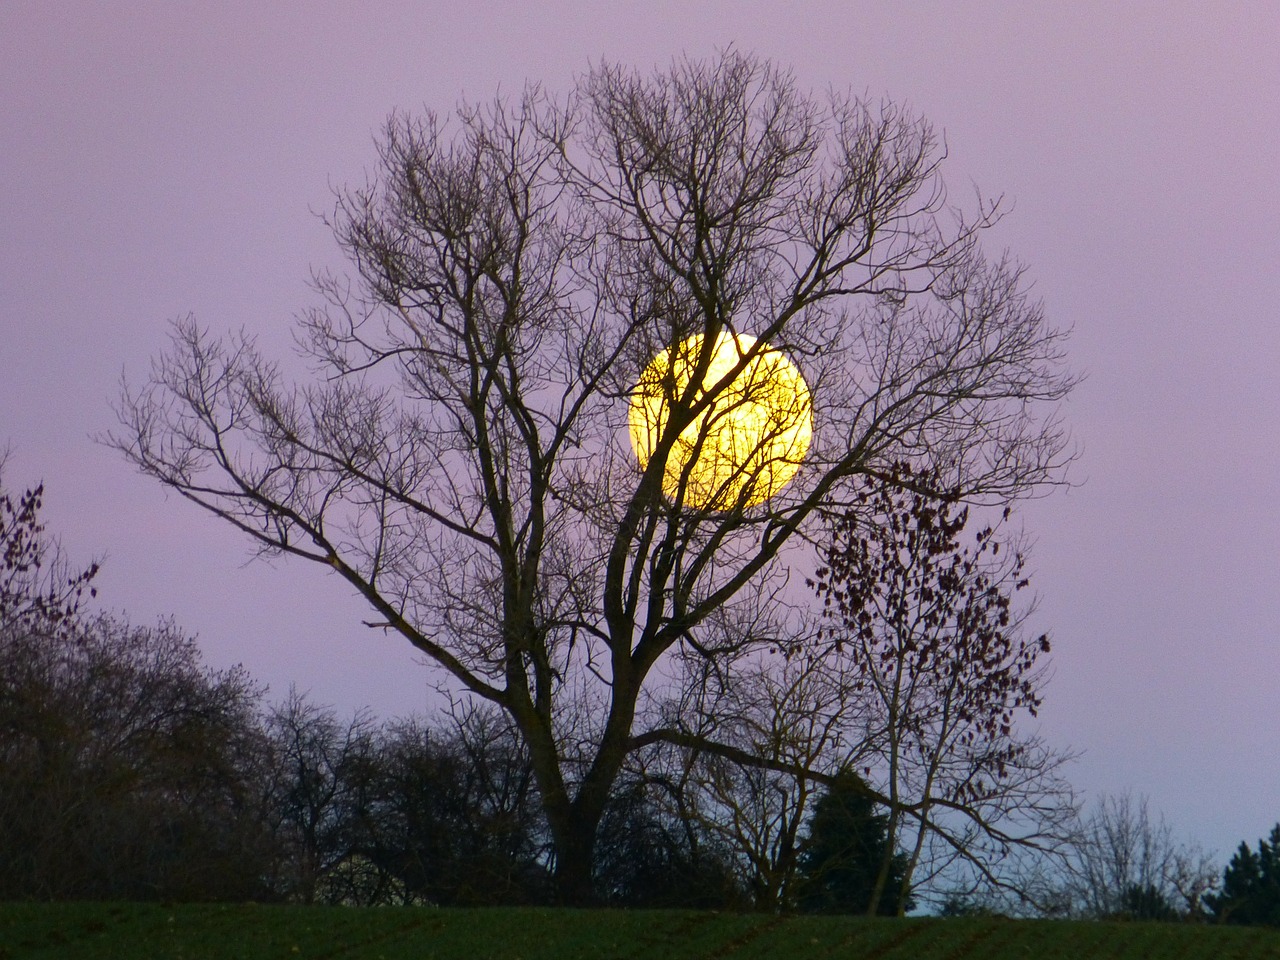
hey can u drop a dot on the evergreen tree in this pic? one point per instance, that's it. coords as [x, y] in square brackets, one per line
[1251, 885]
[841, 855]
[1146, 902]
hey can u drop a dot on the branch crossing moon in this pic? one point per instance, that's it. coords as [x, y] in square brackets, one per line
[746, 443]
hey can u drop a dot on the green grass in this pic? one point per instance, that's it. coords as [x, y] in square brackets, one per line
[128, 931]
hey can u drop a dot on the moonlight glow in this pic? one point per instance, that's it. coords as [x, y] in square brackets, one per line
[749, 441]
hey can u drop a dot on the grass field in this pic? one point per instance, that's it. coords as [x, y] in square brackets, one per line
[247, 932]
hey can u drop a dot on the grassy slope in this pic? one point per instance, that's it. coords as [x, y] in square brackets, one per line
[150, 932]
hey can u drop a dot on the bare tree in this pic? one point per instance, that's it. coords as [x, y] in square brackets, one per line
[936, 641]
[457, 819]
[323, 773]
[1126, 862]
[463, 460]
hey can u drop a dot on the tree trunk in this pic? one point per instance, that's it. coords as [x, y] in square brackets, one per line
[575, 854]
[574, 824]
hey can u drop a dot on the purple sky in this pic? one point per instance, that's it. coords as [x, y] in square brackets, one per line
[160, 158]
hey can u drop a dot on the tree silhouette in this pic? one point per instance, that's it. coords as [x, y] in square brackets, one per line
[841, 855]
[1251, 885]
[463, 460]
[928, 619]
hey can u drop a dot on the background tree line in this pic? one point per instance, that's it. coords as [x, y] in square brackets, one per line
[133, 771]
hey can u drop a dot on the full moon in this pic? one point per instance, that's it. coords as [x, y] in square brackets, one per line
[750, 440]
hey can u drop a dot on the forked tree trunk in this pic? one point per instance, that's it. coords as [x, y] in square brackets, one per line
[575, 823]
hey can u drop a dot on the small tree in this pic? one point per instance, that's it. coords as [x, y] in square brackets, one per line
[841, 855]
[935, 642]
[457, 819]
[322, 774]
[1125, 862]
[1251, 885]
[129, 769]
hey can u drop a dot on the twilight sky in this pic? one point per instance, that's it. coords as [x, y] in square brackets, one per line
[159, 158]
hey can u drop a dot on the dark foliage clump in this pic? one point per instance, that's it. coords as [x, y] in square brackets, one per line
[842, 856]
[1251, 885]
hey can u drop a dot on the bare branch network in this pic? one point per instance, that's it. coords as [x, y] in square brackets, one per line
[462, 458]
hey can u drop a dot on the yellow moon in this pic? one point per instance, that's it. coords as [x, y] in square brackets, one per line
[750, 440]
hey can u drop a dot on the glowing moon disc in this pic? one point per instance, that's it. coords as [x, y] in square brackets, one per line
[749, 441]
